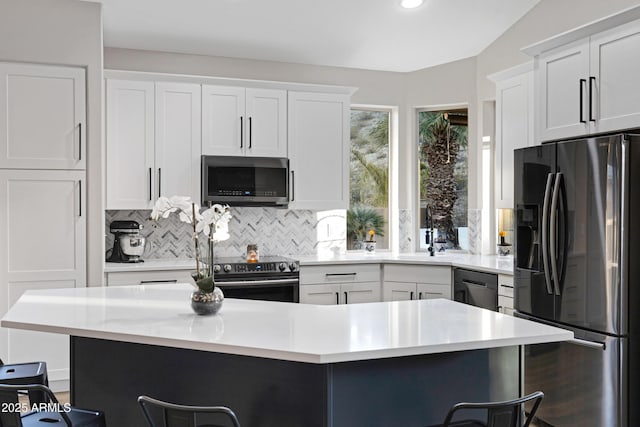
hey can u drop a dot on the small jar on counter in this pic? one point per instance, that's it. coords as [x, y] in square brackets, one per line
[252, 253]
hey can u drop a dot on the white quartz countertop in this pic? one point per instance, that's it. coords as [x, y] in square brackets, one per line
[161, 315]
[487, 263]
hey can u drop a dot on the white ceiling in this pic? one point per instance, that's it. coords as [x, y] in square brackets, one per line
[369, 34]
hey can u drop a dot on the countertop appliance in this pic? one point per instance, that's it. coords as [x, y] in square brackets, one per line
[128, 243]
[475, 288]
[577, 253]
[271, 279]
[246, 181]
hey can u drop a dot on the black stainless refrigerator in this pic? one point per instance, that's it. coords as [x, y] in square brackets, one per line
[577, 266]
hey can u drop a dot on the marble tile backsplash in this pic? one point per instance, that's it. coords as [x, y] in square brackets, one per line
[406, 243]
[276, 231]
[474, 222]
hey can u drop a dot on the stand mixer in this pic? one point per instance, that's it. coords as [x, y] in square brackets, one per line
[128, 244]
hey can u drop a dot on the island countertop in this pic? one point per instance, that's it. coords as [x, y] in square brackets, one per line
[161, 315]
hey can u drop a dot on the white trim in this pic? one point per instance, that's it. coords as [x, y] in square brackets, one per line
[511, 72]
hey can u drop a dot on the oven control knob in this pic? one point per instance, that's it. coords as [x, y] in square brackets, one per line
[227, 268]
[293, 266]
[282, 266]
[216, 268]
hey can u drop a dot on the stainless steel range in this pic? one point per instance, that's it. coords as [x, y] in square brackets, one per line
[270, 279]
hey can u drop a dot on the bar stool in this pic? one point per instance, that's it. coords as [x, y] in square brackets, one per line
[24, 374]
[165, 414]
[53, 412]
[499, 414]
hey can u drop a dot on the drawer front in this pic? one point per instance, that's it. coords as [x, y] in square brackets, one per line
[433, 290]
[148, 277]
[417, 274]
[505, 304]
[343, 273]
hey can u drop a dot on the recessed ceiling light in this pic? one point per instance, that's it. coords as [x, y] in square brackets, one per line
[411, 4]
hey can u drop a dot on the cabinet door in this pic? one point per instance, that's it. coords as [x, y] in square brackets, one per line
[398, 291]
[514, 129]
[130, 144]
[177, 142]
[353, 293]
[563, 77]
[43, 245]
[433, 290]
[223, 120]
[320, 294]
[42, 117]
[615, 82]
[266, 126]
[319, 150]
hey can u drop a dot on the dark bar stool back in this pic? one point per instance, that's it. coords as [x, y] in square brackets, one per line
[165, 414]
[499, 414]
[24, 374]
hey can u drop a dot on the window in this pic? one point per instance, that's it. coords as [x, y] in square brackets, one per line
[442, 145]
[369, 178]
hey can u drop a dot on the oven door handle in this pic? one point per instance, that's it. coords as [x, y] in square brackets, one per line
[257, 282]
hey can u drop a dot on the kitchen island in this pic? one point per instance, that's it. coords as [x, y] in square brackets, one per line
[281, 364]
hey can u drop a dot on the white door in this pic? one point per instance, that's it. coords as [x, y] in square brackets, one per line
[177, 142]
[42, 117]
[514, 120]
[223, 121]
[130, 144]
[42, 245]
[562, 95]
[266, 113]
[353, 293]
[318, 150]
[614, 82]
[320, 294]
[398, 291]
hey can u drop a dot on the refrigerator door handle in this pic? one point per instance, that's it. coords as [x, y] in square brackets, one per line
[590, 344]
[553, 234]
[545, 233]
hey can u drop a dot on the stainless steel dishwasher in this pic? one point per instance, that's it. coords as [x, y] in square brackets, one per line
[475, 288]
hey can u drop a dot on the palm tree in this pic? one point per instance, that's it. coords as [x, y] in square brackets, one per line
[360, 220]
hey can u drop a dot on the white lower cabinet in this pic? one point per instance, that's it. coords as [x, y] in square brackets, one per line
[125, 278]
[505, 294]
[340, 284]
[42, 246]
[409, 282]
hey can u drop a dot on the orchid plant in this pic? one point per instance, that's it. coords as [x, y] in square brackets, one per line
[213, 222]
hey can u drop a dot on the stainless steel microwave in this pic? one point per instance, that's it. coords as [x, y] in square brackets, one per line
[245, 181]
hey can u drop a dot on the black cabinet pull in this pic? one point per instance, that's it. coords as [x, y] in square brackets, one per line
[159, 182]
[150, 179]
[79, 141]
[411, 295]
[241, 131]
[419, 295]
[345, 298]
[293, 186]
[337, 298]
[80, 198]
[591, 89]
[582, 81]
[250, 131]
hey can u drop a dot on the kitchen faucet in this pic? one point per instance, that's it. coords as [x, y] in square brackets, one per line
[430, 235]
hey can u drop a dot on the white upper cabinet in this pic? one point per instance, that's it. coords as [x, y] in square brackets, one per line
[318, 150]
[153, 142]
[244, 122]
[42, 117]
[589, 84]
[514, 126]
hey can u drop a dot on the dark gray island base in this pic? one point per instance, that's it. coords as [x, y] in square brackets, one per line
[400, 391]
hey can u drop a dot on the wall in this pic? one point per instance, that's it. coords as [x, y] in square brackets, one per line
[66, 32]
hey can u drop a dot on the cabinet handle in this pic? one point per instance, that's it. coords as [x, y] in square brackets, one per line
[79, 141]
[339, 274]
[80, 197]
[591, 89]
[411, 295]
[419, 295]
[241, 131]
[142, 282]
[582, 81]
[159, 182]
[346, 301]
[250, 131]
[293, 186]
[337, 298]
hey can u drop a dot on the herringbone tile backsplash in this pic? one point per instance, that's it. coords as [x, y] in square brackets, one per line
[276, 231]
